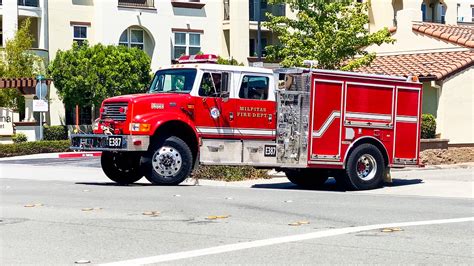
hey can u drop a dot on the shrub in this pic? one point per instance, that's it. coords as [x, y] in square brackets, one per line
[19, 138]
[229, 173]
[25, 148]
[55, 133]
[428, 126]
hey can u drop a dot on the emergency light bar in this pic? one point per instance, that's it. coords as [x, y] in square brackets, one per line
[198, 58]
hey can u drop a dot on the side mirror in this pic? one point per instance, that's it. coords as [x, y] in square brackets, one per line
[225, 96]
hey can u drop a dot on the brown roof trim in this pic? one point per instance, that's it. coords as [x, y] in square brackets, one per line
[188, 4]
[80, 23]
[25, 124]
[187, 30]
[24, 85]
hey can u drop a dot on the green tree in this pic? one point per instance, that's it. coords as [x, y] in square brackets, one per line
[230, 61]
[333, 33]
[86, 75]
[17, 62]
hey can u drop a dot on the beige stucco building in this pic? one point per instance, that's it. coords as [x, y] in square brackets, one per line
[163, 29]
[436, 43]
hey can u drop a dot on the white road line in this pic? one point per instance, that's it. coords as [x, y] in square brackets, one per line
[277, 240]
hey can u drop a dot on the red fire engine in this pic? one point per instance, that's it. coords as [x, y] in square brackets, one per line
[309, 123]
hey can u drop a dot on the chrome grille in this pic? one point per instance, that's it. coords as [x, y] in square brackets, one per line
[111, 111]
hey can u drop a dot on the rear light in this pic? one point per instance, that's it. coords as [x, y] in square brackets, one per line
[413, 79]
[140, 127]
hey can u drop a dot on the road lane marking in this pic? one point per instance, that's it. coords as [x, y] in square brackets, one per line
[277, 240]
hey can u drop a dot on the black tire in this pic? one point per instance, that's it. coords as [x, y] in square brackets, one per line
[169, 162]
[307, 178]
[121, 167]
[365, 168]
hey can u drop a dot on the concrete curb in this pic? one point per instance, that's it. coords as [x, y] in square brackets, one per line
[61, 155]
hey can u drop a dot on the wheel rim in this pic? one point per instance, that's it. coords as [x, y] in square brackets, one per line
[366, 167]
[167, 161]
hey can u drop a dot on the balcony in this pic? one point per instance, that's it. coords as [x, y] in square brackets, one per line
[33, 3]
[137, 3]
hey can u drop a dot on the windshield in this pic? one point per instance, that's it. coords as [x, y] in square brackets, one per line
[173, 80]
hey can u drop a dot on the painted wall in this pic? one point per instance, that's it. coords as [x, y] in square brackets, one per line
[430, 99]
[108, 22]
[61, 14]
[455, 119]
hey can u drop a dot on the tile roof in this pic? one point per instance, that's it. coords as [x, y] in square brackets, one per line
[457, 34]
[427, 66]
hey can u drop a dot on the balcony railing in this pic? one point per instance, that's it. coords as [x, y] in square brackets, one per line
[34, 3]
[137, 3]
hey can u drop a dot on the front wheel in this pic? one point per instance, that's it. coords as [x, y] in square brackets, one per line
[307, 178]
[121, 167]
[365, 168]
[170, 162]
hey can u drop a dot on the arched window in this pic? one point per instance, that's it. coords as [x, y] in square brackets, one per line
[133, 37]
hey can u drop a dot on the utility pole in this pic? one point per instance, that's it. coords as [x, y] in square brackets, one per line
[259, 29]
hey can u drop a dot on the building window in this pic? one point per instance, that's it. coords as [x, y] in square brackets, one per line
[472, 13]
[80, 34]
[186, 44]
[133, 38]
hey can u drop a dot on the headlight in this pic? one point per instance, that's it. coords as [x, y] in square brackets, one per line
[139, 127]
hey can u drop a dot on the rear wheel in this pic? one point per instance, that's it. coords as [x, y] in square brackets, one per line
[307, 178]
[121, 167]
[365, 168]
[170, 162]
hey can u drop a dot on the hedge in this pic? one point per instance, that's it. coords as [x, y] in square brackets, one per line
[428, 126]
[34, 147]
[55, 133]
[19, 138]
[229, 173]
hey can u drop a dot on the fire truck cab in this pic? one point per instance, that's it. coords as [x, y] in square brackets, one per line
[309, 123]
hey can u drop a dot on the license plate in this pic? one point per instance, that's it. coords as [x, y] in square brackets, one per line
[114, 142]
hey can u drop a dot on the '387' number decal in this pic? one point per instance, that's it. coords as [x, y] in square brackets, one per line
[114, 142]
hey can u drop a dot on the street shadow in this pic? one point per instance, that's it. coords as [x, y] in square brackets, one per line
[332, 186]
[403, 182]
[112, 184]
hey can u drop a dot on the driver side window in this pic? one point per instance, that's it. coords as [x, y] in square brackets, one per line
[210, 85]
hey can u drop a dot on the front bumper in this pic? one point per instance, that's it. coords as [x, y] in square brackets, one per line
[102, 142]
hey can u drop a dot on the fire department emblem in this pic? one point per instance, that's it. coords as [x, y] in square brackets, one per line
[215, 113]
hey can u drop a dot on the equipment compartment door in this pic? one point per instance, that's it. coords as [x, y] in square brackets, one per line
[326, 106]
[407, 126]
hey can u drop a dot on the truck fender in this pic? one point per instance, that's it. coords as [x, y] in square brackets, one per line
[366, 139]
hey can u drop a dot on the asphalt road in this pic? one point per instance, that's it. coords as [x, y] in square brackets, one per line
[62, 211]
